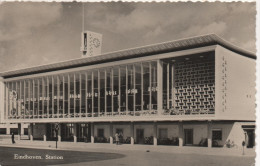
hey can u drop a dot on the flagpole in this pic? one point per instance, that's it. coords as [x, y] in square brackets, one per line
[83, 28]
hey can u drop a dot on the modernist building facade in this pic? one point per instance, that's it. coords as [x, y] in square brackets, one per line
[195, 91]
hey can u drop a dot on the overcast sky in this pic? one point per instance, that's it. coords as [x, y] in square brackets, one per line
[40, 33]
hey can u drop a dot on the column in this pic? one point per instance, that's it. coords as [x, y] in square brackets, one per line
[44, 138]
[155, 133]
[132, 133]
[59, 133]
[160, 87]
[180, 133]
[22, 128]
[2, 100]
[209, 127]
[111, 133]
[45, 133]
[92, 133]
[75, 132]
[8, 128]
[31, 131]
[19, 131]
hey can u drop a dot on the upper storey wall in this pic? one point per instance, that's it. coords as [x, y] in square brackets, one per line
[235, 85]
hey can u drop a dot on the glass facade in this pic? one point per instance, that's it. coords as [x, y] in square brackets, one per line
[119, 90]
[188, 88]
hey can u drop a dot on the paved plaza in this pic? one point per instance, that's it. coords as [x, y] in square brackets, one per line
[106, 154]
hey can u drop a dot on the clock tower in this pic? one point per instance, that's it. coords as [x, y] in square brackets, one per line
[91, 43]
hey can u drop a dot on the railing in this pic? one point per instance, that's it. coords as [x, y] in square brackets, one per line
[165, 112]
[188, 111]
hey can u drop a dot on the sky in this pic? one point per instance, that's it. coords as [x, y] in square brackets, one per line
[33, 33]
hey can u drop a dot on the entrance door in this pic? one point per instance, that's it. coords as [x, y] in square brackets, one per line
[251, 138]
[140, 136]
[51, 135]
[82, 132]
[188, 136]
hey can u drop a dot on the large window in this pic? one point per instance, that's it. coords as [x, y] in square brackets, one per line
[77, 95]
[217, 134]
[72, 94]
[102, 92]
[83, 93]
[100, 132]
[109, 91]
[115, 92]
[89, 93]
[138, 87]
[146, 86]
[66, 95]
[163, 133]
[50, 85]
[122, 88]
[96, 93]
[129, 89]
[60, 94]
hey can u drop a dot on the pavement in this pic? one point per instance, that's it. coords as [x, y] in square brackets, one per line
[5, 141]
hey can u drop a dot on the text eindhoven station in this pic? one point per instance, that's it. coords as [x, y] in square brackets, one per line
[194, 91]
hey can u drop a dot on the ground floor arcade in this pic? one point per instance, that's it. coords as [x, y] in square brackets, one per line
[9, 128]
[180, 133]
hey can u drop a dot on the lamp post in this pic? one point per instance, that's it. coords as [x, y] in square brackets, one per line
[56, 132]
[243, 144]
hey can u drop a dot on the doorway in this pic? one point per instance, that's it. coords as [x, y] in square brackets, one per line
[188, 136]
[140, 136]
[250, 139]
[83, 134]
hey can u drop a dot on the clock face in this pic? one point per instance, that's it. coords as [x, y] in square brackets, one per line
[96, 42]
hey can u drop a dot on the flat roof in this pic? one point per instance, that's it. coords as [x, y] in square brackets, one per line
[170, 46]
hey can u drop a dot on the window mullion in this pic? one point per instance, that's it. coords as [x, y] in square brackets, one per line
[38, 96]
[126, 88]
[173, 85]
[92, 91]
[80, 87]
[119, 90]
[52, 80]
[59, 96]
[134, 92]
[69, 96]
[63, 94]
[112, 89]
[43, 96]
[48, 97]
[20, 82]
[150, 85]
[86, 93]
[142, 87]
[168, 85]
[74, 96]
[106, 92]
[98, 92]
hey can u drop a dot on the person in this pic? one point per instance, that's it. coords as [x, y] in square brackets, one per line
[117, 138]
[13, 138]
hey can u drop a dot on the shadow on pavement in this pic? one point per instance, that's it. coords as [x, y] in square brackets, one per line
[8, 155]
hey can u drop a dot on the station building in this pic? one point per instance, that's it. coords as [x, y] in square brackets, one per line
[198, 91]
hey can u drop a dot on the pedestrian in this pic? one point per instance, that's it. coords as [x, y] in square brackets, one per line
[13, 138]
[117, 138]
